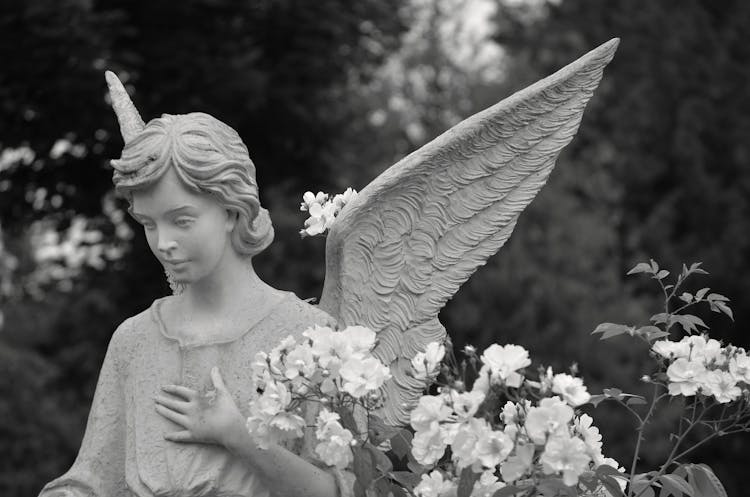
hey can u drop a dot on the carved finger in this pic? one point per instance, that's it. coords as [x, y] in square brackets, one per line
[179, 406]
[180, 391]
[174, 417]
[180, 436]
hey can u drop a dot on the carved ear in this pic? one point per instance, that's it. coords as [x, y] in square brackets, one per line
[232, 218]
[127, 115]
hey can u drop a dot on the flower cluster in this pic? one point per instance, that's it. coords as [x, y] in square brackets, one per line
[322, 210]
[698, 364]
[534, 437]
[329, 367]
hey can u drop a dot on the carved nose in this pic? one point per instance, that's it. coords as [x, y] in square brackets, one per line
[167, 247]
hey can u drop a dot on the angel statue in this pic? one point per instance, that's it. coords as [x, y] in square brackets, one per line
[168, 415]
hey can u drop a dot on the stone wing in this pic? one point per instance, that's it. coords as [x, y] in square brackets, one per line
[417, 232]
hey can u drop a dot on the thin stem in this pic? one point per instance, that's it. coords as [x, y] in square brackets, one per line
[641, 428]
[671, 456]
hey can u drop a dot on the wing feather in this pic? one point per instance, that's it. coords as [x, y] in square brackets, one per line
[417, 232]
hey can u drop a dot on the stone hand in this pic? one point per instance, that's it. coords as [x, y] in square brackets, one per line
[204, 418]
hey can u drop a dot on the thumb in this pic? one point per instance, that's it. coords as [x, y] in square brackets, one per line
[217, 380]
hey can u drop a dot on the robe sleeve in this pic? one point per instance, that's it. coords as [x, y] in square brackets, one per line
[99, 468]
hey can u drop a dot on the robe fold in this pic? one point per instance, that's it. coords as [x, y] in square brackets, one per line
[124, 454]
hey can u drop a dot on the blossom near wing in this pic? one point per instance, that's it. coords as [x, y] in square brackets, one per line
[417, 232]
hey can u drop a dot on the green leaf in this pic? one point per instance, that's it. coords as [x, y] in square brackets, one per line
[651, 333]
[641, 267]
[611, 485]
[636, 400]
[382, 462]
[466, 482]
[704, 481]
[654, 266]
[406, 478]
[612, 392]
[363, 465]
[716, 297]
[661, 274]
[415, 467]
[724, 308]
[595, 400]
[401, 443]
[379, 431]
[701, 293]
[609, 330]
[689, 322]
[675, 485]
[508, 491]
[660, 318]
[695, 268]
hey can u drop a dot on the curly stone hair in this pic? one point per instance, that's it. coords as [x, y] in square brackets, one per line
[208, 157]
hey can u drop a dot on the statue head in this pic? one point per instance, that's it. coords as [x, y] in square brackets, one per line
[205, 154]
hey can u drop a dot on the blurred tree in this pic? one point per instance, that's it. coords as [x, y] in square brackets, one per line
[660, 157]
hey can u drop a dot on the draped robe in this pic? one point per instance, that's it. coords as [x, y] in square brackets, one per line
[124, 453]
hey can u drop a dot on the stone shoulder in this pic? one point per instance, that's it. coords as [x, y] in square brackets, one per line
[129, 335]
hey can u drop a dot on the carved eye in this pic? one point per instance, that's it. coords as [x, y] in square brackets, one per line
[183, 222]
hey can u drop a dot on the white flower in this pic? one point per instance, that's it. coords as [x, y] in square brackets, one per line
[685, 377]
[739, 366]
[425, 363]
[449, 430]
[259, 367]
[289, 425]
[299, 361]
[722, 385]
[274, 399]
[514, 412]
[433, 485]
[702, 349]
[487, 485]
[565, 455]
[361, 376]
[357, 340]
[325, 343]
[482, 383]
[584, 426]
[671, 350]
[571, 389]
[551, 417]
[477, 444]
[519, 464]
[465, 445]
[278, 353]
[493, 447]
[428, 446]
[430, 411]
[466, 404]
[334, 448]
[321, 218]
[258, 426]
[341, 199]
[505, 361]
[322, 210]
[308, 199]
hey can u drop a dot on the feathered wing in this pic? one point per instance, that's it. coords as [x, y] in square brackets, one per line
[417, 232]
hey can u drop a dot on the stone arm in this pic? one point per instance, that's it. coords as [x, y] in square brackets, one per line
[99, 468]
[288, 474]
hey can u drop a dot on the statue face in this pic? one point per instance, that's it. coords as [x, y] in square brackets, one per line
[188, 232]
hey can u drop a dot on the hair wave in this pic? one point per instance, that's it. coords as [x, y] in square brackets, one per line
[208, 157]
